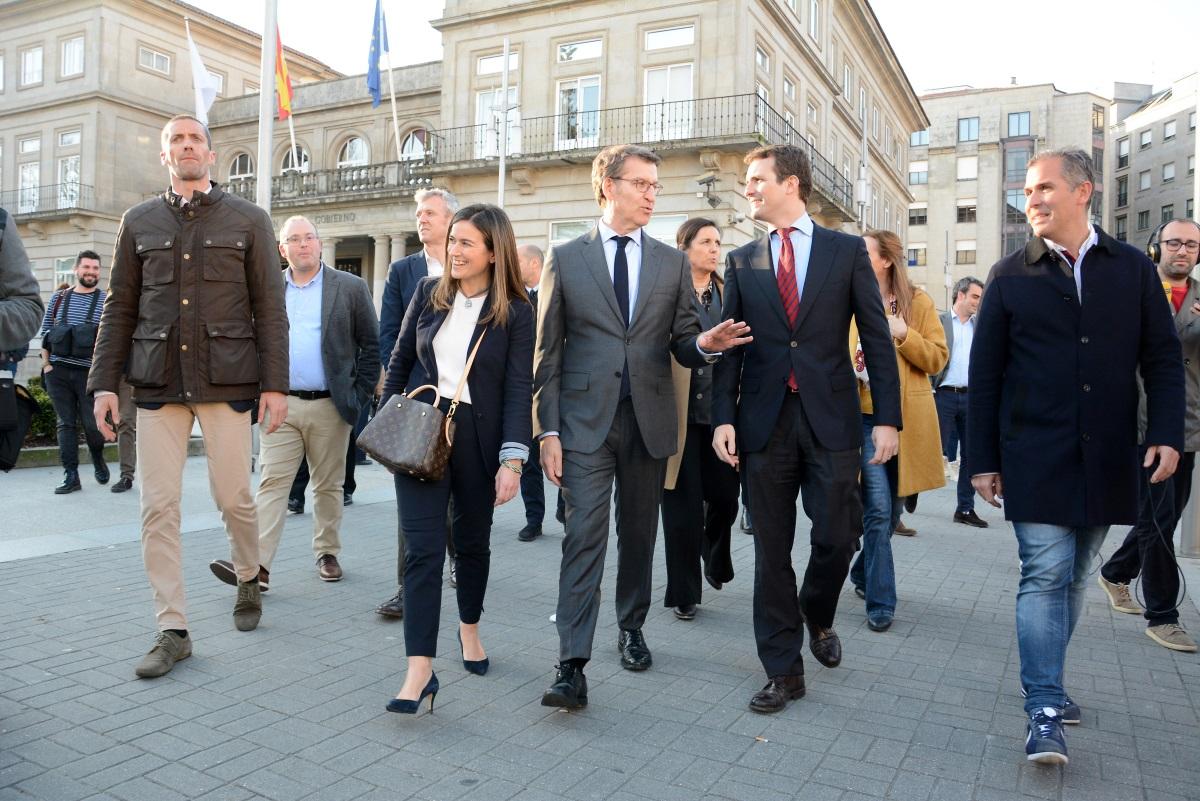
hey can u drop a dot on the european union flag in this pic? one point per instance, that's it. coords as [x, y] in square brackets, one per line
[379, 45]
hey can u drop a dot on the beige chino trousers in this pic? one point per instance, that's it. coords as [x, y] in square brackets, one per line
[316, 429]
[162, 439]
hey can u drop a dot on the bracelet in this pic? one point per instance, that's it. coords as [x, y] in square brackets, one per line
[516, 469]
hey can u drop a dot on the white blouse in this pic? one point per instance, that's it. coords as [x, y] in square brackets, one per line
[452, 344]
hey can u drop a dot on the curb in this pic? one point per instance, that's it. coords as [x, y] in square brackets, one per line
[47, 455]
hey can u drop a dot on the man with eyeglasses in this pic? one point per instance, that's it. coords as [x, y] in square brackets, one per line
[1148, 548]
[614, 306]
[333, 359]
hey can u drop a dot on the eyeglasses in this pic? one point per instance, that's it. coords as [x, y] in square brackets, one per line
[641, 185]
[307, 239]
[1190, 245]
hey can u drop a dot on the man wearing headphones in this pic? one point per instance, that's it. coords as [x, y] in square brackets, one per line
[1148, 548]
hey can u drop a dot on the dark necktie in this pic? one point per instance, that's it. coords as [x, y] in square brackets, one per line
[621, 277]
[785, 277]
[621, 287]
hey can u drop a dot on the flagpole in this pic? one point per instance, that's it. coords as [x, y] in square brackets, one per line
[392, 91]
[503, 134]
[266, 110]
[296, 165]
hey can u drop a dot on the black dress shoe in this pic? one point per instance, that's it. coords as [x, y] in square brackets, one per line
[453, 571]
[530, 533]
[746, 525]
[296, 507]
[70, 483]
[569, 690]
[712, 582]
[775, 696]
[686, 612]
[394, 606]
[124, 484]
[825, 646]
[347, 499]
[102, 474]
[635, 655]
[910, 503]
[970, 518]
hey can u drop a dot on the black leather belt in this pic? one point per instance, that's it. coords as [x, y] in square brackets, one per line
[957, 390]
[308, 394]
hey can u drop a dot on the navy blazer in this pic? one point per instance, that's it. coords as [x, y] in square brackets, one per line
[750, 382]
[501, 380]
[1054, 398]
[402, 279]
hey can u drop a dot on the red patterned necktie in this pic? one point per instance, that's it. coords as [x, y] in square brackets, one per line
[785, 277]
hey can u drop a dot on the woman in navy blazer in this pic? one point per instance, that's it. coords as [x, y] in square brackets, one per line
[479, 295]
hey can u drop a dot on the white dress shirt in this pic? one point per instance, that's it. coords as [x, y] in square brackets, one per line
[452, 345]
[960, 354]
[1091, 240]
[433, 265]
[633, 256]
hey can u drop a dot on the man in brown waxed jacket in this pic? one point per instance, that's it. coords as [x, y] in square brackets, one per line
[196, 321]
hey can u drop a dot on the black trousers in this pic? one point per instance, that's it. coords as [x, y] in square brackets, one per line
[1149, 548]
[468, 490]
[67, 387]
[794, 462]
[698, 516]
[533, 490]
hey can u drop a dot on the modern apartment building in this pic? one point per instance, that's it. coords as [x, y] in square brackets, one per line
[701, 82]
[1152, 158]
[967, 173]
[85, 87]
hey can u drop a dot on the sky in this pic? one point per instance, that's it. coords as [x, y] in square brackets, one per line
[1079, 45]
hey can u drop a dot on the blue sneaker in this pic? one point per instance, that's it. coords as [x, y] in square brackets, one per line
[1070, 710]
[1045, 742]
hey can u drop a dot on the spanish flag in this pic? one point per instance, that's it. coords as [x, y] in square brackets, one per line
[283, 84]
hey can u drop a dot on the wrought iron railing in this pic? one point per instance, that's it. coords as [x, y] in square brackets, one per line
[48, 199]
[735, 119]
[392, 176]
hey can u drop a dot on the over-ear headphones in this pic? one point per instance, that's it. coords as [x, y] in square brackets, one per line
[1153, 246]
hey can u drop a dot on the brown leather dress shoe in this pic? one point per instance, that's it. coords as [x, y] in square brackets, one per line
[775, 696]
[328, 568]
[825, 646]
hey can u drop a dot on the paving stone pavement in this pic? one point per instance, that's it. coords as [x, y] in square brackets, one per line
[295, 710]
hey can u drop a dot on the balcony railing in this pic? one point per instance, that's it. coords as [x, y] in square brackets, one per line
[733, 121]
[49, 200]
[298, 188]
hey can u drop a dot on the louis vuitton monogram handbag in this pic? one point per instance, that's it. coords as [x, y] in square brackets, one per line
[412, 437]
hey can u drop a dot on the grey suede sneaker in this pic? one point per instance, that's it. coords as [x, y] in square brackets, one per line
[168, 649]
[248, 608]
[1173, 636]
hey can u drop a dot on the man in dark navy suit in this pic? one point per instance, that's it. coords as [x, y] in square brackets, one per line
[435, 207]
[786, 410]
[1065, 326]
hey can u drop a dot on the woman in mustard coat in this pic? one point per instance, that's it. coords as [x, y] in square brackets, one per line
[920, 352]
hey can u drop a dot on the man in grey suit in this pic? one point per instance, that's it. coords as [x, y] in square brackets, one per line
[613, 307]
[334, 361]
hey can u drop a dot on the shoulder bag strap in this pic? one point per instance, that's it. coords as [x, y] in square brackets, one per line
[92, 308]
[462, 382]
[65, 297]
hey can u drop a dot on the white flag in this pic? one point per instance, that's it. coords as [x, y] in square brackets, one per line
[203, 82]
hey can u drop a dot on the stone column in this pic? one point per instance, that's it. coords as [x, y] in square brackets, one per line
[379, 271]
[398, 246]
[329, 250]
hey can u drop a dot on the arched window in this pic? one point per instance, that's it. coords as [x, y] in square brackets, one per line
[354, 153]
[241, 167]
[295, 161]
[413, 146]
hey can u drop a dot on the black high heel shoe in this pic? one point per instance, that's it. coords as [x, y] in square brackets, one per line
[407, 707]
[479, 666]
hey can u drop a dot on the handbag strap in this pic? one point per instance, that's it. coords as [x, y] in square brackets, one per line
[462, 382]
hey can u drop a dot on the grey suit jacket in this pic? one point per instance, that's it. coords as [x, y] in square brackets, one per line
[349, 341]
[583, 344]
[948, 326]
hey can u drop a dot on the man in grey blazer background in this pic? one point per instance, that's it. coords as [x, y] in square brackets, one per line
[614, 306]
[334, 361]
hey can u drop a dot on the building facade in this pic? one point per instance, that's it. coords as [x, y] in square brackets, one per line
[85, 87]
[967, 173]
[1152, 158]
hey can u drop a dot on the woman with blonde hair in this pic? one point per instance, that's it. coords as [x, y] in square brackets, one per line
[920, 352]
[477, 306]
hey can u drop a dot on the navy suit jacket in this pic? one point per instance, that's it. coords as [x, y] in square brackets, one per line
[1053, 405]
[501, 380]
[402, 279]
[751, 381]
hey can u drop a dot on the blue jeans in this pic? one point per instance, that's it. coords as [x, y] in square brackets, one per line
[873, 570]
[1055, 564]
[952, 420]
